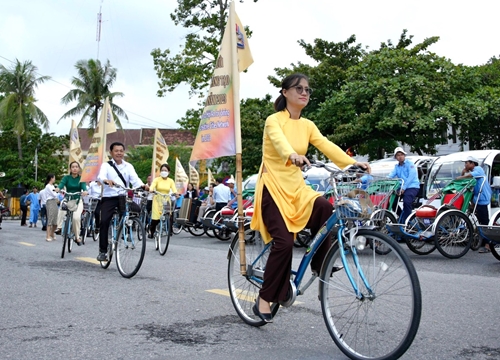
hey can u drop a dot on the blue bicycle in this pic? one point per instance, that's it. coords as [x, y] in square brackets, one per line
[163, 230]
[370, 299]
[127, 238]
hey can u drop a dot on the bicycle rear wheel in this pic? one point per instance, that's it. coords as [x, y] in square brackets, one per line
[245, 289]
[130, 247]
[453, 234]
[418, 245]
[164, 236]
[196, 229]
[375, 325]
[176, 227]
[105, 264]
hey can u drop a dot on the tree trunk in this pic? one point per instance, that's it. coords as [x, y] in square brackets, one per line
[20, 151]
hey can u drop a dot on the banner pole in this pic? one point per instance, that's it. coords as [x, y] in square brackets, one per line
[235, 74]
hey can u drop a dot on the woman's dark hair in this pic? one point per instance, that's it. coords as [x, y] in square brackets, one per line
[289, 82]
[116, 143]
[49, 176]
[74, 162]
[165, 165]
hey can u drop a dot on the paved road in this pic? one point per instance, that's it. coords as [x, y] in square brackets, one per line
[177, 306]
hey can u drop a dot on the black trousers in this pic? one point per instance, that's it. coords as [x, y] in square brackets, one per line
[24, 210]
[108, 206]
[97, 215]
[279, 263]
[219, 205]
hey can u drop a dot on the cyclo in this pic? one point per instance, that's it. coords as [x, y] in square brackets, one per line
[451, 227]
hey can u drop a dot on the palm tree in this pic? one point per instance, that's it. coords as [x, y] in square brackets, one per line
[93, 85]
[18, 85]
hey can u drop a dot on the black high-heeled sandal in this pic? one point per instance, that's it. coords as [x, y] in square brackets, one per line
[267, 317]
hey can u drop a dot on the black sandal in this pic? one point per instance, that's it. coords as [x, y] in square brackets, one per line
[267, 317]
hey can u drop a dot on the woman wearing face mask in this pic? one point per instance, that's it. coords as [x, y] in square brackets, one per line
[165, 185]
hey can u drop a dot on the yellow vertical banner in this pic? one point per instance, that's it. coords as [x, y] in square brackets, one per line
[194, 177]
[219, 131]
[97, 150]
[75, 150]
[160, 153]
[181, 178]
[211, 179]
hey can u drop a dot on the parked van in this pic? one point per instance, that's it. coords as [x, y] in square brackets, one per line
[447, 168]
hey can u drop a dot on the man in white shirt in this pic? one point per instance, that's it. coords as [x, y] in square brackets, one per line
[111, 173]
[222, 194]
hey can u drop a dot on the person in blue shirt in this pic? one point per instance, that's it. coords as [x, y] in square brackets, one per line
[34, 199]
[364, 180]
[405, 170]
[482, 193]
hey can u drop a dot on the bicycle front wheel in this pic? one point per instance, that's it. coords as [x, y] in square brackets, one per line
[382, 319]
[164, 236]
[245, 289]
[130, 247]
[65, 236]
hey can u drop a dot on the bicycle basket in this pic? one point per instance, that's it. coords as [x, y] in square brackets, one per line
[167, 206]
[70, 205]
[356, 205]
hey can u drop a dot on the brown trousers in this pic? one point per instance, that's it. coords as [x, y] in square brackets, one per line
[279, 263]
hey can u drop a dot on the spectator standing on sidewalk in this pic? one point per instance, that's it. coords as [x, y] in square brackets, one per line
[24, 207]
[34, 204]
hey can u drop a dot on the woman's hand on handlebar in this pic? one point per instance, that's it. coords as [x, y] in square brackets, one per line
[299, 160]
[364, 165]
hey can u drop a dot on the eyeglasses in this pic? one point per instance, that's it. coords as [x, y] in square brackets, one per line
[300, 89]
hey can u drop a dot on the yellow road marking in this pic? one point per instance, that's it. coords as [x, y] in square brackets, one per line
[89, 260]
[250, 297]
[25, 243]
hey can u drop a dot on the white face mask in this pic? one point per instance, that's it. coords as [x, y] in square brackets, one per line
[164, 174]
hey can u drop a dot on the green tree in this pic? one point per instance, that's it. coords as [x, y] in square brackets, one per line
[18, 84]
[395, 93]
[22, 172]
[194, 64]
[93, 85]
[475, 110]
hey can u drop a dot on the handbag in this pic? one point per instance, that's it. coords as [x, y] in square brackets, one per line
[28, 203]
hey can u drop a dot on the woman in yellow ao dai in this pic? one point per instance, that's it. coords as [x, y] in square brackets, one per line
[165, 185]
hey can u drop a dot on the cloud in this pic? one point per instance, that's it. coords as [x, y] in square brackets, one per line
[55, 34]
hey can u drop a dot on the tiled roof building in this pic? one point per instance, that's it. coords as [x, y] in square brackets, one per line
[137, 137]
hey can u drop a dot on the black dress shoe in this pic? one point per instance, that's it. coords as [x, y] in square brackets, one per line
[267, 317]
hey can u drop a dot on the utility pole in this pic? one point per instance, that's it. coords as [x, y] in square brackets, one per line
[36, 162]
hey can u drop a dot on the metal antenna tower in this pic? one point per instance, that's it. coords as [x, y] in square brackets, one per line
[98, 35]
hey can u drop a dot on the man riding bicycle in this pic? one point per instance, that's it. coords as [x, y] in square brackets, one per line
[115, 171]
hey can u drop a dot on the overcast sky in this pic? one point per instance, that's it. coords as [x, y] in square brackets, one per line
[55, 34]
